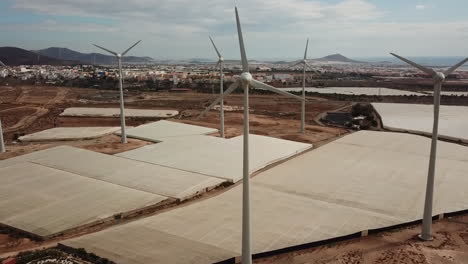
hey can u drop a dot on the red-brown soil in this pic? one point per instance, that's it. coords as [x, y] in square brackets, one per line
[28, 109]
[399, 246]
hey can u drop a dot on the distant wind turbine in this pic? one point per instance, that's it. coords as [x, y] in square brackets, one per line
[439, 78]
[305, 64]
[122, 112]
[221, 87]
[245, 81]
[2, 142]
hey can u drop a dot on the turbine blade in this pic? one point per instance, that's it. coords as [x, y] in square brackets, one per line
[310, 67]
[245, 63]
[110, 51]
[217, 51]
[295, 64]
[125, 52]
[454, 67]
[215, 102]
[307, 47]
[260, 85]
[431, 72]
[3, 64]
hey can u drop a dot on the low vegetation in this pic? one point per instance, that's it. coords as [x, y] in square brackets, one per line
[363, 116]
[57, 255]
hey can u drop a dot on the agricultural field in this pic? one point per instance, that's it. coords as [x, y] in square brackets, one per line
[182, 182]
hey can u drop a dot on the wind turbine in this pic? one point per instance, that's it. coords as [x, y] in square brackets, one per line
[2, 142]
[439, 78]
[221, 87]
[245, 81]
[305, 64]
[122, 113]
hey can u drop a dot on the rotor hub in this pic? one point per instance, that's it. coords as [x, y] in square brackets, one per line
[439, 76]
[221, 59]
[246, 77]
[119, 55]
[304, 61]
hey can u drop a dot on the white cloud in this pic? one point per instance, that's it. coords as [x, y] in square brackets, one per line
[204, 12]
[187, 19]
[356, 9]
[54, 26]
[420, 7]
[180, 28]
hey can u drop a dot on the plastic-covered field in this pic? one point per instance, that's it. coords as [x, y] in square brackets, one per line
[45, 201]
[162, 130]
[115, 112]
[68, 133]
[216, 157]
[418, 118]
[132, 174]
[366, 180]
[371, 91]
[57, 189]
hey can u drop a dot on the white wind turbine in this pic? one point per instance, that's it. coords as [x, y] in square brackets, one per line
[439, 78]
[2, 142]
[305, 64]
[245, 81]
[221, 88]
[122, 113]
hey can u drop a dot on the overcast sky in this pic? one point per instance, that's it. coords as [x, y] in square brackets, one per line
[273, 29]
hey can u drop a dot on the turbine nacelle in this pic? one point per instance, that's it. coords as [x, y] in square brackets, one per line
[221, 59]
[439, 76]
[246, 78]
[119, 55]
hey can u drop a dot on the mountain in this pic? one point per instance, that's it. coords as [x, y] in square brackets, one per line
[90, 58]
[201, 61]
[282, 62]
[337, 58]
[12, 56]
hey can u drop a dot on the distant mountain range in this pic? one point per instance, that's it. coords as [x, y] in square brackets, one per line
[431, 61]
[15, 56]
[331, 59]
[90, 58]
[64, 56]
[61, 56]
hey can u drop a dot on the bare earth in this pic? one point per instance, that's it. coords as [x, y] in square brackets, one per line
[399, 246]
[29, 109]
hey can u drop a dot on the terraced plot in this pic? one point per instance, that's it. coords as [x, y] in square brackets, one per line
[366, 180]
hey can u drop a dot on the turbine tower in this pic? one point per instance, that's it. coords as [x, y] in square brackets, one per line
[245, 81]
[439, 78]
[2, 142]
[221, 88]
[305, 64]
[122, 112]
